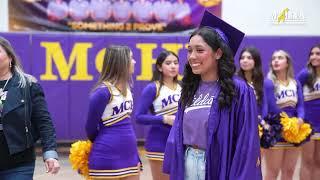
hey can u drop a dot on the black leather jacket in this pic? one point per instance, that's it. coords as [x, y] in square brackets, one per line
[26, 118]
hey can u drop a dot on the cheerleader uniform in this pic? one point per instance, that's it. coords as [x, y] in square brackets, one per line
[101, 10]
[311, 103]
[142, 11]
[114, 152]
[57, 10]
[285, 98]
[160, 101]
[122, 11]
[79, 9]
[163, 11]
[261, 108]
[181, 10]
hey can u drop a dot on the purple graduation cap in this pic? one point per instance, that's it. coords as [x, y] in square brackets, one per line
[231, 36]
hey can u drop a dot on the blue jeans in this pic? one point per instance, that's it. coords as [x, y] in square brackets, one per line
[194, 164]
[23, 172]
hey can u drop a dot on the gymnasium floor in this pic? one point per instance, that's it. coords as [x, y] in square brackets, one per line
[66, 173]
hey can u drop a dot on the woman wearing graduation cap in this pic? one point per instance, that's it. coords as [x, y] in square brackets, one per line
[215, 133]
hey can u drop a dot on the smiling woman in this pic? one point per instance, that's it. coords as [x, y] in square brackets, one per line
[24, 118]
[215, 106]
[309, 78]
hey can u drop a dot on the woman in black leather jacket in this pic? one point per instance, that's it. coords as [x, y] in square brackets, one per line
[24, 118]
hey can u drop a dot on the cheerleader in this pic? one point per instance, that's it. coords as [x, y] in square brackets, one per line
[163, 11]
[142, 11]
[100, 10]
[283, 93]
[79, 9]
[122, 11]
[114, 153]
[182, 12]
[310, 81]
[57, 10]
[160, 97]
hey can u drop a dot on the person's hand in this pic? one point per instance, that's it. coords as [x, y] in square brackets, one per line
[265, 125]
[300, 121]
[168, 119]
[52, 165]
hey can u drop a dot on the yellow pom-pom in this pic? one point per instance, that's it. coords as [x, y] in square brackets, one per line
[260, 130]
[292, 132]
[79, 155]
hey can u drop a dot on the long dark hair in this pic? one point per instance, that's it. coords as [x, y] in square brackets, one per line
[312, 74]
[257, 74]
[157, 75]
[226, 70]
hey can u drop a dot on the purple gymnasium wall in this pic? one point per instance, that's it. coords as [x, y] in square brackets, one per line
[67, 65]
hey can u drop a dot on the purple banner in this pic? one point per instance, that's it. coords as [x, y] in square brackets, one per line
[67, 65]
[109, 15]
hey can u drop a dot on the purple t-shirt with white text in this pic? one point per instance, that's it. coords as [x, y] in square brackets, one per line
[195, 118]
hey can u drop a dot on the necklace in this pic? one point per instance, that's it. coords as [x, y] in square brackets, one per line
[2, 89]
[3, 96]
[285, 82]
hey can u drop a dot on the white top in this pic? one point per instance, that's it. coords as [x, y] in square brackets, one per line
[311, 95]
[119, 106]
[167, 100]
[286, 95]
